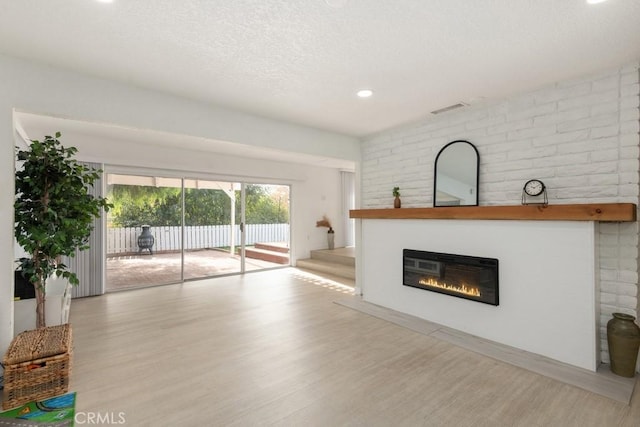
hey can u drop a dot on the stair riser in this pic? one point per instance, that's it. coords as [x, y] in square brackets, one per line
[330, 257]
[271, 257]
[274, 248]
[334, 270]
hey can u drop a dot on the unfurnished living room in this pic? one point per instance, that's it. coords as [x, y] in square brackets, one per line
[320, 212]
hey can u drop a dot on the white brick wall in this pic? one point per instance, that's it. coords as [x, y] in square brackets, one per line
[581, 137]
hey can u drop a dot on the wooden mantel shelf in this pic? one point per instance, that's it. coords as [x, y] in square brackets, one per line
[609, 212]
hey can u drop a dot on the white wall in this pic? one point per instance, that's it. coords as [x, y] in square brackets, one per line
[40, 89]
[6, 230]
[580, 137]
[547, 300]
[311, 200]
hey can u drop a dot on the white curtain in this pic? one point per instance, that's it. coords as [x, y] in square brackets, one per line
[348, 202]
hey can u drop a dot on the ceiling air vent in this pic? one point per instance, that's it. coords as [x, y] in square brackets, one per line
[449, 108]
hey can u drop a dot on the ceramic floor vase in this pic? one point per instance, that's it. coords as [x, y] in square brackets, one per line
[623, 337]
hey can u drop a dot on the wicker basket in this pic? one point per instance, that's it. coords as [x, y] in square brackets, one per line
[37, 365]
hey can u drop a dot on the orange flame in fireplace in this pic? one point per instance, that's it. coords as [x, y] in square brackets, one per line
[461, 289]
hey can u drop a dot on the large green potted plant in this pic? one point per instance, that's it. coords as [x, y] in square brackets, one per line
[53, 212]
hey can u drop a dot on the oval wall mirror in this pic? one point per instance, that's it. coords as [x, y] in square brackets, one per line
[456, 175]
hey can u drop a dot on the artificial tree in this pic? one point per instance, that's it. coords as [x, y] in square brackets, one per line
[54, 212]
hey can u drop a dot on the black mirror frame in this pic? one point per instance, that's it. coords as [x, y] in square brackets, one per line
[435, 172]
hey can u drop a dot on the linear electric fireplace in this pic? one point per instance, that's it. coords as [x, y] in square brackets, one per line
[460, 276]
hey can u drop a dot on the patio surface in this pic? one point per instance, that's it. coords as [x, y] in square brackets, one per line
[141, 270]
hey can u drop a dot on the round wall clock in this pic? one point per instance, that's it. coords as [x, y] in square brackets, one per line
[534, 187]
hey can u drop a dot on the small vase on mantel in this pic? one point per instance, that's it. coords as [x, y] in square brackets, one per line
[396, 193]
[623, 338]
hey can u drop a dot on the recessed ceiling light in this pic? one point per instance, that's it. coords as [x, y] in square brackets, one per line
[595, 1]
[365, 93]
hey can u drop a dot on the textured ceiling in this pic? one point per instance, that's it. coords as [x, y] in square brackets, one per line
[303, 60]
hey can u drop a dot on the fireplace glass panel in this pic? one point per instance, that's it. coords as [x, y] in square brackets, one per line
[462, 276]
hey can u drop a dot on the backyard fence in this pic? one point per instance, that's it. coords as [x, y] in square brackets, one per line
[125, 239]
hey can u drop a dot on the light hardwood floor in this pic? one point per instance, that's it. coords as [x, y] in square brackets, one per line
[603, 382]
[272, 348]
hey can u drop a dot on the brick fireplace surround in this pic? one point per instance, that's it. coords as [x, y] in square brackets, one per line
[581, 137]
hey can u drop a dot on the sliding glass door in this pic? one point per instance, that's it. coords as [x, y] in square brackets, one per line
[267, 226]
[167, 230]
[211, 232]
[144, 231]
